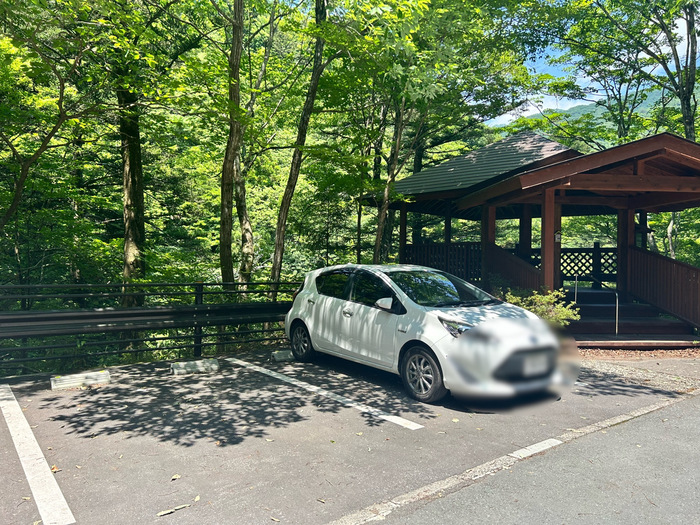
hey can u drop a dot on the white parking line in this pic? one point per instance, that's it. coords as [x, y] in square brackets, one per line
[535, 449]
[323, 392]
[437, 489]
[48, 496]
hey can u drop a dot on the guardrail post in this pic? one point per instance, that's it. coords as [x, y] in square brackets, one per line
[198, 299]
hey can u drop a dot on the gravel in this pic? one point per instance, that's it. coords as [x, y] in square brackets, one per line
[619, 365]
[596, 353]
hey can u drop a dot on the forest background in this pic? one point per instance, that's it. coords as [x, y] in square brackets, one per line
[184, 140]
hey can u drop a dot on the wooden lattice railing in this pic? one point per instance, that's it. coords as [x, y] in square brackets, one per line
[588, 264]
[464, 260]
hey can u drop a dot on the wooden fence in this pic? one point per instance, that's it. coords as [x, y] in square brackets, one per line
[462, 259]
[513, 269]
[667, 284]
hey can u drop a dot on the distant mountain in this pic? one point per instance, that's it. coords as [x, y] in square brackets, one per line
[591, 108]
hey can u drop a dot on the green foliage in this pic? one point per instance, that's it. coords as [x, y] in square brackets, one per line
[433, 70]
[549, 305]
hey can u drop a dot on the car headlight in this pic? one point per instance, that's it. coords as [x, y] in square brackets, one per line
[455, 328]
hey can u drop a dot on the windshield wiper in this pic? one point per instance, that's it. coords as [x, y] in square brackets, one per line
[458, 303]
[476, 302]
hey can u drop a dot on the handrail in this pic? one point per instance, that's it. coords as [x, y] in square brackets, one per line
[617, 302]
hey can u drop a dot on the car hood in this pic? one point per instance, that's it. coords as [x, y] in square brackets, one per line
[476, 315]
[502, 322]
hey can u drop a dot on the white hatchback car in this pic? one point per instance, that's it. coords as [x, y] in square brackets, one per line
[438, 332]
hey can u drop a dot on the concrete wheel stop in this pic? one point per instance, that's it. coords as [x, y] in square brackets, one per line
[282, 355]
[79, 380]
[195, 367]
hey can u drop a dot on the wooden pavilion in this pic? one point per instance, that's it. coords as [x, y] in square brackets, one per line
[527, 176]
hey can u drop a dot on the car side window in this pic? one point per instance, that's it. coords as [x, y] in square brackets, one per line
[333, 283]
[368, 288]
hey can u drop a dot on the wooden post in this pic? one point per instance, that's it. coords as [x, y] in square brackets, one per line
[488, 237]
[549, 223]
[597, 266]
[625, 239]
[402, 233]
[525, 232]
[643, 228]
[557, 246]
[448, 227]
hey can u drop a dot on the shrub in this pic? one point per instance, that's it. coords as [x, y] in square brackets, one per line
[550, 305]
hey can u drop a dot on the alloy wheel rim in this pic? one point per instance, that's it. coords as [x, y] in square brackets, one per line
[301, 340]
[420, 374]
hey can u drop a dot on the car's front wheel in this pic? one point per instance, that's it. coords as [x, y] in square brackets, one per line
[302, 348]
[422, 376]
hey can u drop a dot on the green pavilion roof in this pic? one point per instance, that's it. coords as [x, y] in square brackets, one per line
[512, 155]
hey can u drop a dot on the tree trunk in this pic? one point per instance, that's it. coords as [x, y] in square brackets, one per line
[670, 236]
[302, 129]
[688, 80]
[233, 187]
[388, 236]
[134, 211]
[392, 169]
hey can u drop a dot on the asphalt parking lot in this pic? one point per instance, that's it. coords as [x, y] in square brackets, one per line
[286, 442]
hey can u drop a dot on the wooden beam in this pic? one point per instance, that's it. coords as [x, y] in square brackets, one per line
[654, 200]
[674, 207]
[683, 158]
[480, 197]
[604, 182]
[594, 200]
[586, 163]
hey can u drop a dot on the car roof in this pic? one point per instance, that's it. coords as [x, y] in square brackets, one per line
[386, 268]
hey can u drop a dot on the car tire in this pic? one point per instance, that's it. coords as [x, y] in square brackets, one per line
[302, 348]
[422, 376]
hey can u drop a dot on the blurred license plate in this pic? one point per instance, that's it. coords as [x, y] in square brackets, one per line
[535, 364]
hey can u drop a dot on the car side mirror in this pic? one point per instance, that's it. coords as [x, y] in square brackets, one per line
[385, 303]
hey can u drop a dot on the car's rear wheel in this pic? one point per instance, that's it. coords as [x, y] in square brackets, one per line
[422, 376]
[302, 348]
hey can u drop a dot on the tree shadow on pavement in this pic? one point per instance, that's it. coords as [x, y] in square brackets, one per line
[225, 407]
[598, 383]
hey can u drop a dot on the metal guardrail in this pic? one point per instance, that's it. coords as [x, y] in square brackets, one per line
[178, 320]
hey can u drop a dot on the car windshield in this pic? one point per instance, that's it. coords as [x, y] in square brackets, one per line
[437, 289]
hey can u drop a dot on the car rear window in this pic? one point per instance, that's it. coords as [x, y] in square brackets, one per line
[332, 283]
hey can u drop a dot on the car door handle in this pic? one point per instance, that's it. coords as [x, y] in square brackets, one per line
[347, 313]
[310, 301]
